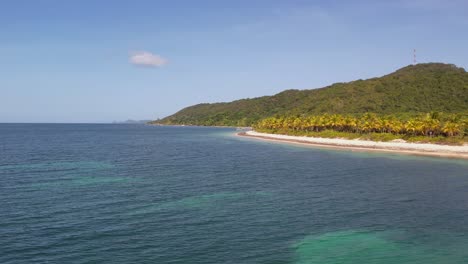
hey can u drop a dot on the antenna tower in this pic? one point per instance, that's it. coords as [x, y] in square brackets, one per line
[414, 56]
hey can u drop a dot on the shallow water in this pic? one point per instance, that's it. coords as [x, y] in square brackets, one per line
[143, 194]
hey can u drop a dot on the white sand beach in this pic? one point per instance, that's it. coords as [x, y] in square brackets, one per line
[365, 145]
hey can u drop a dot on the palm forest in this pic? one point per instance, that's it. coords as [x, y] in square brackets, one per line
[432, 127]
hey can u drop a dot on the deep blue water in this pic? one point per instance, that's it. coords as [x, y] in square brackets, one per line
[144, 194]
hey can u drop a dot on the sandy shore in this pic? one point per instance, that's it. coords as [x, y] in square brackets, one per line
[365, 145]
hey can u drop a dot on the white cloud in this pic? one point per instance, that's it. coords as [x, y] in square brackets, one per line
[147, 59]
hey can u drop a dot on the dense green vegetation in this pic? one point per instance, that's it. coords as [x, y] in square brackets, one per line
[407, 92]
[432, 127]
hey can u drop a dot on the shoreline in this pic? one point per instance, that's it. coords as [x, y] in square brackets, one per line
[418, 149]
[165, 125]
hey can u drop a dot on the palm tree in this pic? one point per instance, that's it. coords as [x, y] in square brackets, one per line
[350, 124]
[411, 126]
[296, 123]
[430, 126]
[311, 123]
[366, 126]
[451, 128]
[397, 127]
[334, 122]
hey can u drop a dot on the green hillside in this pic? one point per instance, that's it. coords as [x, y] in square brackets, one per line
[409, 90]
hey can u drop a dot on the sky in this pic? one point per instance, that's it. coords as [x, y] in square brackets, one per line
[93, 61]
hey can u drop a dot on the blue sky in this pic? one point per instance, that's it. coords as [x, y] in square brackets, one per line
[99, 61]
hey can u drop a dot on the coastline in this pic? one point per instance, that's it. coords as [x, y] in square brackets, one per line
[167, 125]
[420, 149]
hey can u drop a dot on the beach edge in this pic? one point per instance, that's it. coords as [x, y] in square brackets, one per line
[331, 143]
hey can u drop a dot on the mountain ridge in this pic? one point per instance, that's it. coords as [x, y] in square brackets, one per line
[409, 90]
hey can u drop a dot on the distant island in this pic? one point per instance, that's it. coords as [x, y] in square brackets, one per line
[423, 103]
[131, 121]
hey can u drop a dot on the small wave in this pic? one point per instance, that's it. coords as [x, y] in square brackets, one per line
[199, 202]
[56, 166]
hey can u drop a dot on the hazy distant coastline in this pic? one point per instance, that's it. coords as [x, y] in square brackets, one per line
[131, 121]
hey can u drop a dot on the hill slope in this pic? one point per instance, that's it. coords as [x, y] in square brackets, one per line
[412, 89]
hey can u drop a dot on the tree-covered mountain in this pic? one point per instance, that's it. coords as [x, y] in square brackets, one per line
[410, 90]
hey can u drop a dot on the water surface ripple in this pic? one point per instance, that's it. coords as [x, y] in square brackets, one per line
[144, 194]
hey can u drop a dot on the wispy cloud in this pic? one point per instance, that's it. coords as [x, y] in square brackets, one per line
[147, 59]
[433, 4]
[310, 16]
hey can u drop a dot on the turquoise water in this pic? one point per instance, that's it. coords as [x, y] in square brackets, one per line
[143, 194]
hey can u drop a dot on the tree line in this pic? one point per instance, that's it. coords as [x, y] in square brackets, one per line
[430, 124]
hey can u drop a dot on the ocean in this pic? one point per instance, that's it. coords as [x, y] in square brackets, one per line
[96, 193]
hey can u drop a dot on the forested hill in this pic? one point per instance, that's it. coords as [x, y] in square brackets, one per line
[413, 89]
